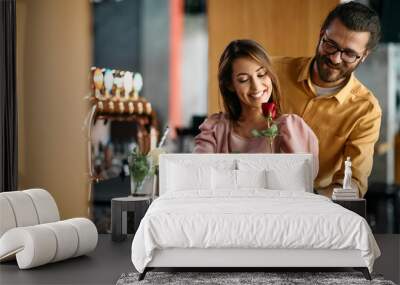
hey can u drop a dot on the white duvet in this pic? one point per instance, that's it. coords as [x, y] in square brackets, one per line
[253, 218]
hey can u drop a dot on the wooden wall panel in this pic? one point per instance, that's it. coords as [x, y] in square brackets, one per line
[54, 53]
[288, 27]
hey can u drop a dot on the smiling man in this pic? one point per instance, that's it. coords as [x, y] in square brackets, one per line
[343, 113]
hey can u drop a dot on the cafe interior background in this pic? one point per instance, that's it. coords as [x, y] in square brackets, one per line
[174, 45]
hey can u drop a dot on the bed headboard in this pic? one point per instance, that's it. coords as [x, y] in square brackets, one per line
[282, 163]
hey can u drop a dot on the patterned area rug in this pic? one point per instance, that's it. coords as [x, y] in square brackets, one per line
[229, 278]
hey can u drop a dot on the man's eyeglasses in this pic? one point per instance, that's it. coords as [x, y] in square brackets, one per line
[347, 56]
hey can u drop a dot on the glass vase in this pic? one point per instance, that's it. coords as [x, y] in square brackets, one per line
[137, 187]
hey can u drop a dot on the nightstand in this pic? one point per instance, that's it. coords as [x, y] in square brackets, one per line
[119, 208]
[358, 206]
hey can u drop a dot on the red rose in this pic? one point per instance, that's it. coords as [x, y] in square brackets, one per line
[269, 110]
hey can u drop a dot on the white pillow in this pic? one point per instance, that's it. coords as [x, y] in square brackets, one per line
[226, 179]
[251, 178]
[283, 174]
[223, 179]
[294, 179]
[183, 177]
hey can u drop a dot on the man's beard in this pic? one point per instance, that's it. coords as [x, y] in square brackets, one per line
[330, 72]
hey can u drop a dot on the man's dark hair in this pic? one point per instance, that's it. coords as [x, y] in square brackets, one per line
[357, 17]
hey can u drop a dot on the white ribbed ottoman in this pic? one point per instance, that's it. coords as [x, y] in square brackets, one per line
[31, 230]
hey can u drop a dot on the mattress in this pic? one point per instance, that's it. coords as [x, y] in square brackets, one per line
[250, 219]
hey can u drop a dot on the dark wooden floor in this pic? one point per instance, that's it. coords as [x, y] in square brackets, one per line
[111, 259]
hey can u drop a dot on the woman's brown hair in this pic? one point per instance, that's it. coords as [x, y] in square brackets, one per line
[243, 49]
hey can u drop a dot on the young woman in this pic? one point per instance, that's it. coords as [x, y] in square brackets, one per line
[246, 80]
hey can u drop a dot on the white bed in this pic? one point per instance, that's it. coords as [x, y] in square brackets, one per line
[247, 210]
